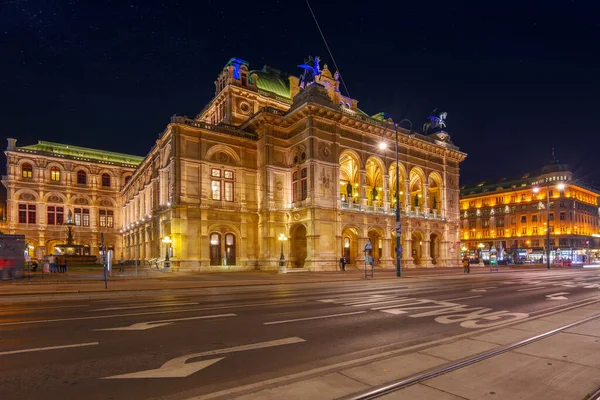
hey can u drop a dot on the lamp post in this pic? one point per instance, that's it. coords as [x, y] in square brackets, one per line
[560, 186]
[167, 241]
[282, 238]
[382, 146]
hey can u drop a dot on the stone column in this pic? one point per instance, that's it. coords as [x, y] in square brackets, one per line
[363, 189]
[387, 196]
[426, 253]
[407, 204]
[387, 261]
[407, 259]
[426, 198]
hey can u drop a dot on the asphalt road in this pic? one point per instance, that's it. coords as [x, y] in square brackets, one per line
[177, 344]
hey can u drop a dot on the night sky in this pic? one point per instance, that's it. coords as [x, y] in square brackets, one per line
[516, 77]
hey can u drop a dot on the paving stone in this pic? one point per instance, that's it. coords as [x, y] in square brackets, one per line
[459, 349]
[584, 350]
[591, 328]
[520, 376]
[394, 368]
[330, 386]
[505, 336]
[420, 392]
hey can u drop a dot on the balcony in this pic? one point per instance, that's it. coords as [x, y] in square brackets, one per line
[381, 210]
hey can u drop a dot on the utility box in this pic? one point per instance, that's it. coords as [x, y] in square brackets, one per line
[12, 256]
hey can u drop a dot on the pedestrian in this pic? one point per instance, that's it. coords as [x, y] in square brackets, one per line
[466, 266]
[52, 261]
[343, 264]
[62, 263]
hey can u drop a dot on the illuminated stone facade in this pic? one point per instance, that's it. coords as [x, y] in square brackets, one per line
[266, 158]
[47, 180]
[511, 215]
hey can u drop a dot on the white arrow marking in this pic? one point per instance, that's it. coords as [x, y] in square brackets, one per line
[557, 296]
[483, 289]
[142, 326]
[177, 367]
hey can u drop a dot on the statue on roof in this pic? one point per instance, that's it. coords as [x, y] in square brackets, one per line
[311, 71]
[435, 122]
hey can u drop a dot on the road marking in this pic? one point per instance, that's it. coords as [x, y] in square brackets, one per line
[142, 326]
[309, 318]
[178, 368]
[464, 298]
[145, 306]
[354, 361]
[533, 288]
[42, 308]
[557, 296]
[483, 289]
[68, 346]
[45, 321]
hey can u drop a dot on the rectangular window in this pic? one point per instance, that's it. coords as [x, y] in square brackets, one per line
[216, 173]
[534, 230]
[51, 214]
[102, 218]
[500, 232]
[294, 186]
[500, 222]
[513, 231]
[534, 218]
[562, 216]
[523, 197]
[513, 198]
[86, 217]
[31, 214]
[499, 200]
[22, 213]
[60, 215]
[82, 216]
[523, 231]
[110, 219]
[471, 224]
[551, 216]
[77, 216]
[304, 183]
[486, 223]
[228, 191]
[523, 219]
[216, 189]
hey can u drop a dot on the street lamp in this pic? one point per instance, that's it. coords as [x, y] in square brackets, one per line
[282, 238]
[383, 146]
[167, 241]
[560, 186]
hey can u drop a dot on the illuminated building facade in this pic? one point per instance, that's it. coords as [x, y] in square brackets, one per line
[265, 158]
[46, 180]
[511, 215]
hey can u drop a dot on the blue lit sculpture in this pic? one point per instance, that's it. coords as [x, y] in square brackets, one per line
[311, 71]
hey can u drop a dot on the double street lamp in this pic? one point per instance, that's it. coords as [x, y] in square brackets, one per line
[282, 238]
[383, 146]
[560, 186]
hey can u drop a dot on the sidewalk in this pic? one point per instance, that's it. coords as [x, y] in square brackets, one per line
[83, 281]
[560, 367]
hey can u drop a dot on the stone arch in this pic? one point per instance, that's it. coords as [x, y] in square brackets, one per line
[298, 245]
[435, 241]
[223, 154]
[376, 236]
[375, 171]
[55, 197]
[416, 188]
[418, 241]
[105, 202]
[392, 182]
[350, 166]
[81, 200]
[84, 168]
[34, 168]
[435, 196]
[350, 236]
[61, 169]
[166, 155]
[223, 252]
[27, 195]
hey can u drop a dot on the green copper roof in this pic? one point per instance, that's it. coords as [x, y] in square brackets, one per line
[271, 80]
[84, 152]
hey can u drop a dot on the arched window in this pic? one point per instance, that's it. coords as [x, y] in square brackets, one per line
[81, 177]
[346, 249]
[106, 180]
[55, 174]
[230, 248]
[215, 249]
[27, 170]
[127, 179]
